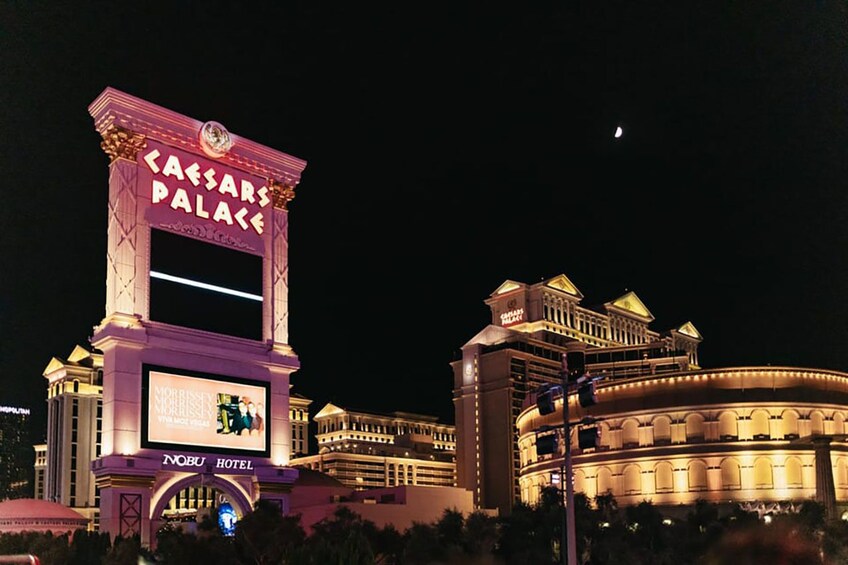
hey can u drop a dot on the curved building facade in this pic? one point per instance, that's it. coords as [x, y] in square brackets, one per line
[736, 435]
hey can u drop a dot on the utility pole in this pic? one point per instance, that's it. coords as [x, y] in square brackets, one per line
[546, 441]
[570, 532]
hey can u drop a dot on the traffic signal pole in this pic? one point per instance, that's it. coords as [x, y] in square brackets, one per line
[546, 444]
[570, 534]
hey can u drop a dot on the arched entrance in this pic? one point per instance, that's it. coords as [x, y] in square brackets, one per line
[207, 490]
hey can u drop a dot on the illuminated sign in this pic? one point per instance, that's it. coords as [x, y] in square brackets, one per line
[512, 317]
[184, 183]
[14, 410]
[204, 413]
[218, 463]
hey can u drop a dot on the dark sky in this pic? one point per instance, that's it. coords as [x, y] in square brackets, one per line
[449, 148]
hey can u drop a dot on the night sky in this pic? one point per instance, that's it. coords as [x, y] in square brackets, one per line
[450, 148]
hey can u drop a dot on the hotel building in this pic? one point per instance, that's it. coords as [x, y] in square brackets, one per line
[532, 327]
[74, 425]
[16, 457]
[40, 470]
[760, 437]
[365, 450]
[299, 417]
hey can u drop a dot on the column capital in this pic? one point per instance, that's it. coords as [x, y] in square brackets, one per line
[121, 143]
[281, 193]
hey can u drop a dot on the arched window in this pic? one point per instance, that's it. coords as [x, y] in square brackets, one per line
[816, 423]
[731, 478]
[694, 427]
[664, 477]
[662, 430]
[604, 480]
[793, 472]
[838, 423]
[763, 474]
[579, 481]
[841, 478]
[630, 433]
[632, 480]
[760, 425]
[697, 475]
[789, 419]
[727, 427]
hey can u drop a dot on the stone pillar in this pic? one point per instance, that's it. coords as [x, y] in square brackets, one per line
[825, 491]
[125, 509]
[278, 313]
[122, 147]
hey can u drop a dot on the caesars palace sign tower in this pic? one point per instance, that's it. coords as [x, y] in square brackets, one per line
[196, 360]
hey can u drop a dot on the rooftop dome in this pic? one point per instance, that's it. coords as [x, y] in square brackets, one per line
[35, 509]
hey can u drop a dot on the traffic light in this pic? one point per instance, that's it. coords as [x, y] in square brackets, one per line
[545, 401]
[546, 445]
[586, 394]
[588, 437]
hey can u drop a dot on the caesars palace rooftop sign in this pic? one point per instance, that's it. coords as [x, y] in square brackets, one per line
[210, 191]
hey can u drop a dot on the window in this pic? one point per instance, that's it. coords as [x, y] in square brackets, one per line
[793, 472]
[694, 427]
[630, 434]
[697, 475]
[727, 426]
[790, 424]
[760, 425]
[664, 477]
[662, 430]
[604, 479]
[730, 475]
[632, 480]
[763, 474]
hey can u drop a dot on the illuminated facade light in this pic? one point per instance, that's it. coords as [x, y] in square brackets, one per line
[205, 286]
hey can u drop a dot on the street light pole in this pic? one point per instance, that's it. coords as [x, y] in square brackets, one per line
[570, 533]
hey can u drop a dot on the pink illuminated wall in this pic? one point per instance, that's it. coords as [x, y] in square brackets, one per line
[166, 386]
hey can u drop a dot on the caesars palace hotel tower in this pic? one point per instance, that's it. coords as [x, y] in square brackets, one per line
[532, 327]
[194, 340]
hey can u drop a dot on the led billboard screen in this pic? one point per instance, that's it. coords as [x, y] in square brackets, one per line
[202, 412]
[205, 286]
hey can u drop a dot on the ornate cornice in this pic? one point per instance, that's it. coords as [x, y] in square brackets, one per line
[121, 143]
[281, 193]
[209, 232]
[113, 107]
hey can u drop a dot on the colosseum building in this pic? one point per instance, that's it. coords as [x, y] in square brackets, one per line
[746, 435]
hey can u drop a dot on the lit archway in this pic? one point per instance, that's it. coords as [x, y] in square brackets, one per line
[763, 477]
[793, 472]
[604, 479]
[235, 494]
[731, 477]
[664, 477]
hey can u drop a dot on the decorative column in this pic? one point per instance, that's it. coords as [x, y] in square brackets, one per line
[122, 147]
[825, 491]
[278, 317]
